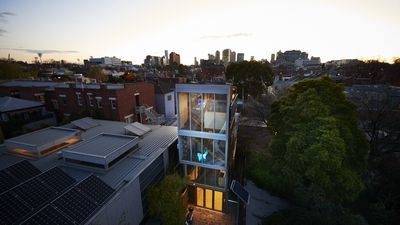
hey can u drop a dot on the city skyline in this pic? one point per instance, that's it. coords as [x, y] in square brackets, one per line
[130, 30]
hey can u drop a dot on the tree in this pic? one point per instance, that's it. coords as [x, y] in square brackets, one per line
[96, 72]
[165, 201]
[13, 70]
[250, 77]
[317, 145]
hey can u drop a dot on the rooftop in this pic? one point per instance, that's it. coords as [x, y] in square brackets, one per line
[8, 104]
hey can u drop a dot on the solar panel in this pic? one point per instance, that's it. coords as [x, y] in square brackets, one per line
[23, 170]
[239, 190]
[6, 181]
[96, 189]
[48, 216]
[75, 205]
[12, 209]
[57, 179]
[34, 193]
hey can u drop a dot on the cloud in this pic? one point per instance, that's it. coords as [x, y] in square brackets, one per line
[3, 15]
[234, 35]
[43, 51]
[3, 19]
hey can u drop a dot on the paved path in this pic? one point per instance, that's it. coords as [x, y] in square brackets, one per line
[262, 204]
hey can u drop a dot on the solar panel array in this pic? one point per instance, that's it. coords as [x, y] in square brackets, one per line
[76, 205]
[49, 216]
[57, 179]
[16, 174]
[28, 190]
[96, 189]
[29, 196]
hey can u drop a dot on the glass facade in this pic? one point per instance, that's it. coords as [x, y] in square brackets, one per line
[203, 150]
[204, 117]
[206, 176]
[203, 112]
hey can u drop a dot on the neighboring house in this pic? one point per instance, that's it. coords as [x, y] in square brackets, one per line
[207, 133]
[165, 100]
[17, 113]
[27, 89]
[119, 102]
[86, 172]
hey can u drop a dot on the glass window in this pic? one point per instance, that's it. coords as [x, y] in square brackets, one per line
[206, 176]
[64, 100]
[79, 98]
[203, 112]
[99, 103]
[183, 99]
[39, 97]
[90, 98]
[203, 150]
[113, 103]
[169, 97]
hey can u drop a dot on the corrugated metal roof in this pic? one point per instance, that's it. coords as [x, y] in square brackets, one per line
[160, 138]
[8, 104]
[101, 149]
[41, 139]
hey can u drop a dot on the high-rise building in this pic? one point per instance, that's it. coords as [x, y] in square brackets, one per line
[217, 57]
[252, 58]
[233, 57]
[226, 56]
[174, 58]
[272, 58]
[240, 57]
[207, 125]
[166, 57]
[196, 63]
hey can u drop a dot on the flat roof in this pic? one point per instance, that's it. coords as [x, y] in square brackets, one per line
[8, 104]
[101, 149]
[151, 146]
[41, 139]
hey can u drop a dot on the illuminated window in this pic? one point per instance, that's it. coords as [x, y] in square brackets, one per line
[200, 196]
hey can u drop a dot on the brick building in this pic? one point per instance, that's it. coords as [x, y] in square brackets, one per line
[120, 102]
[106, 101]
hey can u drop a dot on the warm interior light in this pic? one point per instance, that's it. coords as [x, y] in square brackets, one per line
[200, 196]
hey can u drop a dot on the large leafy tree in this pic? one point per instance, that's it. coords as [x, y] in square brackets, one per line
[165, 200]
[319, 153]
[250, 77]
[96, 72]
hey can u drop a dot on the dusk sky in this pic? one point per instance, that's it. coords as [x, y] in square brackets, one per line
[132, 29]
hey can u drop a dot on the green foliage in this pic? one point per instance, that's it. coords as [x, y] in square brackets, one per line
[165, 200]
[253, 77]
[96, 72]
[13, 70]
[317, 145]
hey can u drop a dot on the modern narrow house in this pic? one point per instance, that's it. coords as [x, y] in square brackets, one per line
[207, 133]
